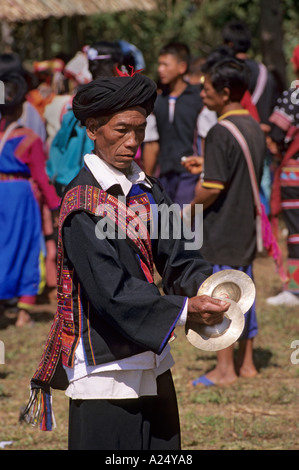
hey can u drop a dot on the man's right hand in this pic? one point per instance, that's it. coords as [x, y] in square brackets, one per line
[206, 310]
[193, 163]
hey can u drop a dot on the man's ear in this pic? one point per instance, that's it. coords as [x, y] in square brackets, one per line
[182, 67]
[226, 94]
[91, 127]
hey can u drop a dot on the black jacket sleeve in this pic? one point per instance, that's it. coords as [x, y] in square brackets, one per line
[109, 272]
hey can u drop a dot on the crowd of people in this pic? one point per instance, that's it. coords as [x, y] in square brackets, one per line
[69, 132]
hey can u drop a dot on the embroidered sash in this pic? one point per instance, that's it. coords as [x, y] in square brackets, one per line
[61, 337]
[96, 202]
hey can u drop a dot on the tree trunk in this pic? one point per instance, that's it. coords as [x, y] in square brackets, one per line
[47, 37]
[272, 40]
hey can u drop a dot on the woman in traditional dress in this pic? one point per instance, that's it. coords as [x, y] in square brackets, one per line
[283, 141]
[23, 182]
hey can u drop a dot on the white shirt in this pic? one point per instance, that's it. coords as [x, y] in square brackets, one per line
[134, 376]
[205, 121]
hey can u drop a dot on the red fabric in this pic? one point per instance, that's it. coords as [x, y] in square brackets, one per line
[275, 202]
[30, 151]
[35, 158]
[247, 103]
[126, 74]
[295, 58]
[146, 271]
[27, 300]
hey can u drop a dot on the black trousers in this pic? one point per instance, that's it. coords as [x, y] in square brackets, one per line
[145, 423]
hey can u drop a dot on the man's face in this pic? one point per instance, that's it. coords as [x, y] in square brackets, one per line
[119, 137]
[169, 68]
[213, 99]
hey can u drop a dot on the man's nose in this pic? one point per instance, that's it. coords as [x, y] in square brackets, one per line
[132, 139]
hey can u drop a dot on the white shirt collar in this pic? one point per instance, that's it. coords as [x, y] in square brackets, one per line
[107, 175]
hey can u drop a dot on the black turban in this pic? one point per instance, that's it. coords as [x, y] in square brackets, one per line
[108, 95]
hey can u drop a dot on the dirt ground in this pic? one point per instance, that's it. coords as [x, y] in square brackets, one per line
[260, 413]
[251, 414]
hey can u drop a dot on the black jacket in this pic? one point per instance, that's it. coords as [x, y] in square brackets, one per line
[121, 312]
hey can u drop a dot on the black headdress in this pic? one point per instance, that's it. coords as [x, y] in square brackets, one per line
[105, 96]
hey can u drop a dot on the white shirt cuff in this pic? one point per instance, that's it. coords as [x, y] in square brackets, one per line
[183, 318]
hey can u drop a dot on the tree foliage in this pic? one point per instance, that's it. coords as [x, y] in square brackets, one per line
[198, 23]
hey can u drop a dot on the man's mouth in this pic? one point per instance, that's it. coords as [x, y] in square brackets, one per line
[125, 158]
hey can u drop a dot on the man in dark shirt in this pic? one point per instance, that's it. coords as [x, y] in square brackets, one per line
[263, 87]
[176, 112]
[229, 236]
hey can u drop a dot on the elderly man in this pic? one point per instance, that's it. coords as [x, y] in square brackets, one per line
[113, 326]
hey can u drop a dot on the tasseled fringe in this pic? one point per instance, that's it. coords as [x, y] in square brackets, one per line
[39, 412]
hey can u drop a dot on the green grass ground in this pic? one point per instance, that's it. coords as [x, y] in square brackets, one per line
[252, 414]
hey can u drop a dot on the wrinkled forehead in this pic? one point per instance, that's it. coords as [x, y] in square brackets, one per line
[128, 113]
[128, 117]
